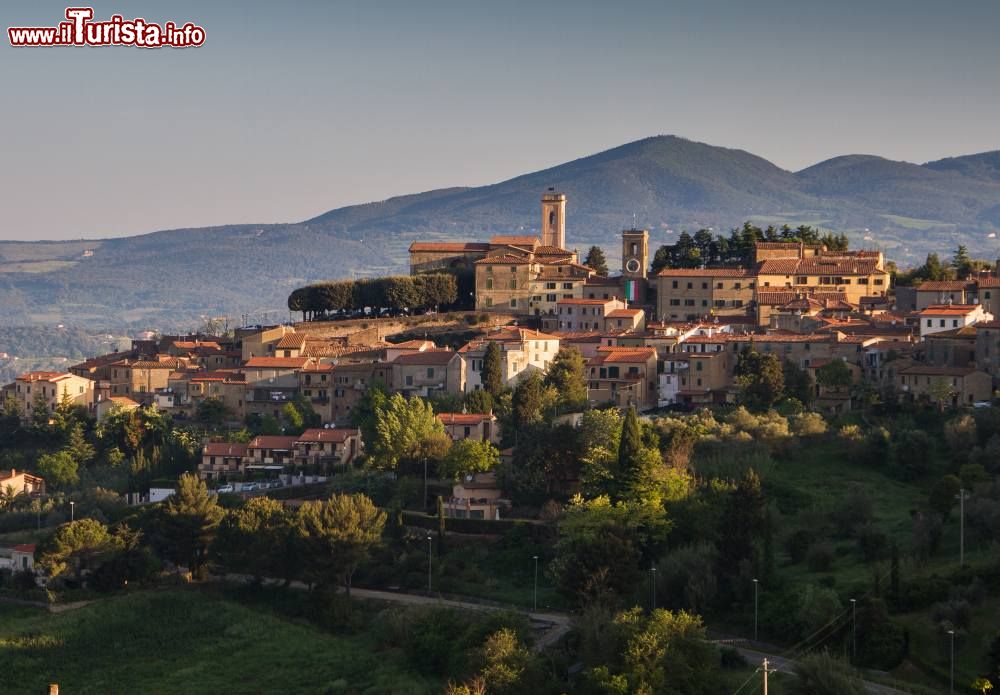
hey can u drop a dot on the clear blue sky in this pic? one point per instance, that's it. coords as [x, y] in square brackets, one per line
[294, 108]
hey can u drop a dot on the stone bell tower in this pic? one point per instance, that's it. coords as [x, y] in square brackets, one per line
[554, 219]
[635, 264]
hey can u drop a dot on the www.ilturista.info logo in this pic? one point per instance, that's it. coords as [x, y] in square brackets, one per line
[80, 30]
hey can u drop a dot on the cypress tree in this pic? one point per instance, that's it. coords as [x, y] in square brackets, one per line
[629, 453]
[492, 373]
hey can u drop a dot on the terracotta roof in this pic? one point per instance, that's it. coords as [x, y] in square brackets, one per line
[427, 357]
[607, 355]
[272, 442]
[988, 282]
[448, 246]
[335, 435]
[24, 547]
[503, 259]
[124, 401]
[949, 309]
[552, 251]
[224, 449]
[707, 272]
[623, 313]
[413, 345]
[44, 376]
[822, 265]
[464, 418]
[193, 344]
[784, 245]
[277, 362]
[291, 340]
[507, 335]
[988, 324]
[782, 338]
[943, 285]
[515, 240]
[218, 375]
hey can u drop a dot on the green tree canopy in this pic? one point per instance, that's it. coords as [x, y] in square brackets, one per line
[492, 372]
[567, 374]
[595, 259]
[406, 429]
[760, 378]
[191, 517]
[468, 456]
[337, 535]
[76, 547]
[59, 469]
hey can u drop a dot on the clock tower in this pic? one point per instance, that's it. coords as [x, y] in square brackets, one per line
[635, 264]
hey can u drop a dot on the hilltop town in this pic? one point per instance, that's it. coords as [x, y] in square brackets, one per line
[770, 409]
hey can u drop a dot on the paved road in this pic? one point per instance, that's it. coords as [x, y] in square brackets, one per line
[552, 626]
[783, 665]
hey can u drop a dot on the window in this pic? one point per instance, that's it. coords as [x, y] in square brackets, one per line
[489, 301]
[550, 285]
[430, 372]
[674, 284]
[688, 302]
[513, 304]
[801, 280]
[954, 323]
[567, 285]
[704, 302]
[878, 281]
[489, 283]
[550, 298]
[718, 285]
[513, 269]
[675, 302]
[736, 286]
[941, 323]
[690, 285]
[698, 366]
[409, 380]
[704, 285]
[513, 283]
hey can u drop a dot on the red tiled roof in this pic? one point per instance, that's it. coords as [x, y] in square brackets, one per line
[784, 245]
[552, 251]
[506, 335]
[464, 418]
[707, 272]
[949, 309]
[623, 313]
[515, 240]
[44, 376]
[942, 285]
[503, 259]
[24, 548]
[412, 345]
[822, 265]
[291, 340]
[277, 362]
[622, 354]
[272, 442]
[989, 282]
[448, 246]
[336, 435]
[427, 357]
[224, 449]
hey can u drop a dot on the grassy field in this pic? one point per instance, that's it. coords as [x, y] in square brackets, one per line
[187, 641]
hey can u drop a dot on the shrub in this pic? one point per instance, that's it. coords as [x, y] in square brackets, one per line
[820, 557]
[798, 544]
[873, 544]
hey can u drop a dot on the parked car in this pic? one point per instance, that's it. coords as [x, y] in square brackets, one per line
[226, 488]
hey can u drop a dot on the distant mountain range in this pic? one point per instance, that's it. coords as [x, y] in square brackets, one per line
[169, 279]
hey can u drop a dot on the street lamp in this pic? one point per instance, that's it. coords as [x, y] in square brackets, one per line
[756, 585]
[72, 511]
[430, 560]
[534, 600]
[962, 496]
[854, 630]
[951, 682]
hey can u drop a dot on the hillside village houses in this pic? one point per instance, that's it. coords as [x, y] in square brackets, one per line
[670, 340]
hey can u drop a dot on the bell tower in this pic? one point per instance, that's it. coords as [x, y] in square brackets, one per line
[635, 262]
[554, 219]
[635, 253]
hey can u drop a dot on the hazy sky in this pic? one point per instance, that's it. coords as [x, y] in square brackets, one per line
[294, 108]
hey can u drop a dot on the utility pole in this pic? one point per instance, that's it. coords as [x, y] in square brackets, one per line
[534, 600]
[854, 630]
[430, 561]
[756, 584]
[765, 670]
[425, 484]
[951, 682]
[961, 526]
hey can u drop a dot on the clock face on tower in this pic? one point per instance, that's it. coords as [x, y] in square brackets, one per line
[632, 265]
